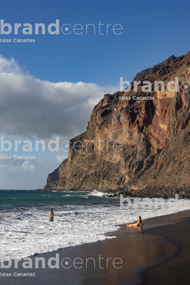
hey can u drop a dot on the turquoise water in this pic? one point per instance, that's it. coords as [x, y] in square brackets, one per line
[15, 199]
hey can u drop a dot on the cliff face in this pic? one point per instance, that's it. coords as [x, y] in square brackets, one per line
[132, 142]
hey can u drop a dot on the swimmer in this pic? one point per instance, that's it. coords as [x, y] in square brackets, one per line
[51, 215]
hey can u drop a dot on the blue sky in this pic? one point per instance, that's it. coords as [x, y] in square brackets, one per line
[48, 88]
[151, 33]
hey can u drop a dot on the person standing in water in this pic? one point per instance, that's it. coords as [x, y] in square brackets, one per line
[51, 215]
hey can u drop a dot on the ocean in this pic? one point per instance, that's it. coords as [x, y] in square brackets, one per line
[80, 217]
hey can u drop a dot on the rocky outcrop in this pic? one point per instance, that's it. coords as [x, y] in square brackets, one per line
[147, 72]
[134, 139]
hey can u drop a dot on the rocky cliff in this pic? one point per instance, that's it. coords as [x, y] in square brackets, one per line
[134, 139]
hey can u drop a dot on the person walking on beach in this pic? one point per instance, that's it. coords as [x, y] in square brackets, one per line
[51, 215]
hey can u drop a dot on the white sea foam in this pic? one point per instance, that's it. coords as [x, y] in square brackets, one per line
[97, 193]
[26, 232]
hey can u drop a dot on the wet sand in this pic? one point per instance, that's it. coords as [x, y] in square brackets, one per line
[175, 270]
[118, 261]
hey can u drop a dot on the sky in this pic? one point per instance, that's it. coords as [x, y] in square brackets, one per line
[50, 85]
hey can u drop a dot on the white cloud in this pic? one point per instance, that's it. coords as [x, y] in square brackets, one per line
[19, 174]
[16, 166]
[8, 66]
[32, 107]
[27, 166]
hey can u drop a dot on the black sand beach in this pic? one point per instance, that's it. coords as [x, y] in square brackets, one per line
[158, 255]
[175, 270]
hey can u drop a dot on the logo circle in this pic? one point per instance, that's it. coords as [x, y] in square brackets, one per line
[65, 29]
[185, 86]
[65, 146]
[65, 263]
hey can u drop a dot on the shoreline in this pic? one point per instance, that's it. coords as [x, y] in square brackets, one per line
[139, 252]
[174, 270]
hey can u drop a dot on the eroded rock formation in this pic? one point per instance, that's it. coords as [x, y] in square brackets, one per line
[131, 142]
